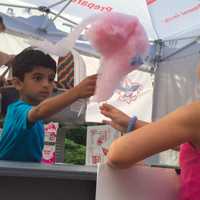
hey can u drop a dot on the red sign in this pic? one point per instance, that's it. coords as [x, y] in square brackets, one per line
[150, 1]
[93, 6]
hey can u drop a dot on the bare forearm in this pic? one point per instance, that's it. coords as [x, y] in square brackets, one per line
[173, 130]
[140, 124]
[134, 147]
[53, 105]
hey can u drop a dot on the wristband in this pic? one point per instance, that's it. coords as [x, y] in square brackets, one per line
[131, 123]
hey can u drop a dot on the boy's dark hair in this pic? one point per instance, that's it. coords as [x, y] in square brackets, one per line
[2, 23]
[28, 59]
[1, 19]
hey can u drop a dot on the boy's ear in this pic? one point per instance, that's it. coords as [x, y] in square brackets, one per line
[17, 83]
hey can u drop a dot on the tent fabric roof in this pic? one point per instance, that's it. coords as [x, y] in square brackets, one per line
[80, 9]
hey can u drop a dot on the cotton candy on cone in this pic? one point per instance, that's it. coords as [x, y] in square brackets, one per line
[118, 38]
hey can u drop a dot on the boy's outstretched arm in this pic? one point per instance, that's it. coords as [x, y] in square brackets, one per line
[176, 128]
[118, 119]
[55, 104]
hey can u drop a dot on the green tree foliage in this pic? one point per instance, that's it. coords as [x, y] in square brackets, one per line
[75, 144]
[78, 135]
[74, 153]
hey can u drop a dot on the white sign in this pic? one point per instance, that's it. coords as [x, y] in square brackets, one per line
[134, 97]
[99, 138]
[49, 150]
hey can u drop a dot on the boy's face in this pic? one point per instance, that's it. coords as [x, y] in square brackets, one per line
[37, 85]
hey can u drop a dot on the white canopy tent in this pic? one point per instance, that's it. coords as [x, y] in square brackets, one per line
[48, 24]
[73, 11]
[172, 26]
[53, 20]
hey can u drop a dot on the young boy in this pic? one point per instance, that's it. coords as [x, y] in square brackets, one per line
[22, 138]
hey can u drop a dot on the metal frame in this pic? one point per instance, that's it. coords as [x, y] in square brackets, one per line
[159, 43]
[181, 49]
[47, 10]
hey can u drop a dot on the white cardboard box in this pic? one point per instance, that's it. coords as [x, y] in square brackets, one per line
[99, 138]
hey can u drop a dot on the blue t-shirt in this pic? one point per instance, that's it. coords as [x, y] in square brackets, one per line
[21, 140]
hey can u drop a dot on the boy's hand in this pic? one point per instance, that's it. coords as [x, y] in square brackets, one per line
[86, 87]
[119, 120]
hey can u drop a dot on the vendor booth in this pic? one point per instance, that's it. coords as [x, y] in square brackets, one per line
[165, 82]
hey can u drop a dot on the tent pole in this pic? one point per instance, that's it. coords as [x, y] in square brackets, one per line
[36, 8]
[58, 14]
[154, 99]
[64, 18]
[159, 45]
[183, 38]
[55, 4]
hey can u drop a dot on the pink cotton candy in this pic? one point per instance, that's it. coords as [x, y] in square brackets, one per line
[118, 38]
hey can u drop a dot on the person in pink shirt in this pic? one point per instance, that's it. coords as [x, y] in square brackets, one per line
[181, 127]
